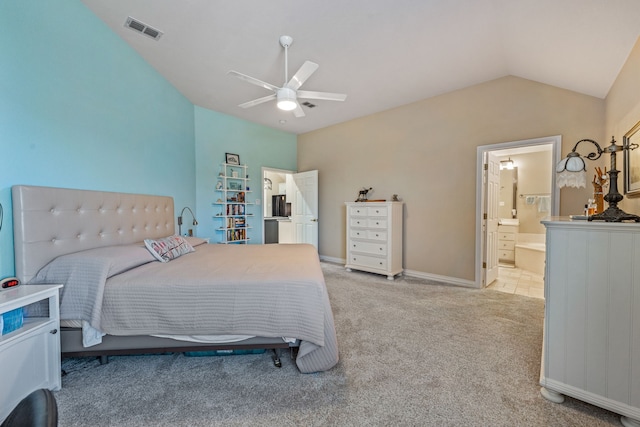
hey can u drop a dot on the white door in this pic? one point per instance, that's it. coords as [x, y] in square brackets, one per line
[492, 193]
[304, 207]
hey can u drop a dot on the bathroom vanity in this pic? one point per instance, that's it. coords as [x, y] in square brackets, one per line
[507, 232]
[591, 344]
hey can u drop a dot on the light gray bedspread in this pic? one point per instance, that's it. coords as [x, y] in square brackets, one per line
[261, 290]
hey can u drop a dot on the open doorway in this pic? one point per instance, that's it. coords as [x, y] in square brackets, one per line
[276, 206]
[290, 206]
[525, 194]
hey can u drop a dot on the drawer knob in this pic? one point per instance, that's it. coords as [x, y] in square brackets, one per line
[53, 331]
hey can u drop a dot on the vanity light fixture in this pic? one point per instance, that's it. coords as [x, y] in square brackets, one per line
[572, 172]
[506, 164]
[186, 208]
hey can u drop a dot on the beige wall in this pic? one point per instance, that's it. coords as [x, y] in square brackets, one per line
[426, 153]
[622, 113]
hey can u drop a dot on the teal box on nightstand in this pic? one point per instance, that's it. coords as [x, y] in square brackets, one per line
[11, 321]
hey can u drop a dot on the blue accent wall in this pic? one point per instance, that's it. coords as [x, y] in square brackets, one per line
[258, 146]
[79, 108]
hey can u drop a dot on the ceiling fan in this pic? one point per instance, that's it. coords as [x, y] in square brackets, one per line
[288, 95]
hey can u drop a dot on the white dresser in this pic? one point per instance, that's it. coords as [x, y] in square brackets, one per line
[374, 237]
[591, 345]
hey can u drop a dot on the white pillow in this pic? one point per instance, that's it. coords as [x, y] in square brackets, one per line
[168, 248]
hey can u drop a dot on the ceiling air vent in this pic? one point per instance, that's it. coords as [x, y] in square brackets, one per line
[143, 28]
[308, 104]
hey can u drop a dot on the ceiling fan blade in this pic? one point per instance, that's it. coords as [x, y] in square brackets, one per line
[253, 80]
[298, 111]
[328, 96]
[258, 101]
[302, 75]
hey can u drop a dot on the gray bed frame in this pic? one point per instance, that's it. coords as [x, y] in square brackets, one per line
[49, 222]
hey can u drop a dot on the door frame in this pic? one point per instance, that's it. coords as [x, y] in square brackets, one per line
[264, 170]
[556, 142]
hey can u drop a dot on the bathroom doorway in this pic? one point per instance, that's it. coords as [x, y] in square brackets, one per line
[527, 194]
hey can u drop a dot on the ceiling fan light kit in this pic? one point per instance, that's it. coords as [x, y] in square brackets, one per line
[286, 99]
[287, 95]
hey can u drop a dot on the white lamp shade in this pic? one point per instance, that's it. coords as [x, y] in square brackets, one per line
[571, 164]
[572, 171]
[571, 179]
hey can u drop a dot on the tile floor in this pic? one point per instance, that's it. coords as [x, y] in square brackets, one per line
[517, 281]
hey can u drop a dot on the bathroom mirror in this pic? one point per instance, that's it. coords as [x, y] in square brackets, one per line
[508, 193]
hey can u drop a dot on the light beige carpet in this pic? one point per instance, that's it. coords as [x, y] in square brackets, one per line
[413, 353]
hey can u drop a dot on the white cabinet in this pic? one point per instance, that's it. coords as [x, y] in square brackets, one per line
[285, 231]
[591, 344]
[30, 355]
[506, 243]
[233, 190]
[374, 237]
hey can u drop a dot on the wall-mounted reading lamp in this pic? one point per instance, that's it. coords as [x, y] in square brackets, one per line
[186, 208]
[572, 172]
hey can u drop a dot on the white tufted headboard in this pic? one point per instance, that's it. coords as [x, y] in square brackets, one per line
[49, 222]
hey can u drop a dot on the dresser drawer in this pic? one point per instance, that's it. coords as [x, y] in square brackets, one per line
[367, 247]
[377, 211]
[380, 235]
[507, 229]
[506, 255]
[368, 211]
[365, 222]
[368, 261]
[508, 245]
[506, 236]
[358, 211]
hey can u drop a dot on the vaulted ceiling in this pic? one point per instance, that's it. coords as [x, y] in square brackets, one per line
[381, 53]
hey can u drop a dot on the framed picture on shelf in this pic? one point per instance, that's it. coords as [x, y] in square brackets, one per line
[232, 159]
[632, 162]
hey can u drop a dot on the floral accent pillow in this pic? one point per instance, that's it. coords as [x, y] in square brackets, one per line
[168, 248]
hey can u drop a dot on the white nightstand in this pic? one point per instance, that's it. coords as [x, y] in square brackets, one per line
[30, 355]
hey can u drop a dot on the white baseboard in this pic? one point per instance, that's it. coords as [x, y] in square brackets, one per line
[333, 259]
[447, 280]
[419, 274]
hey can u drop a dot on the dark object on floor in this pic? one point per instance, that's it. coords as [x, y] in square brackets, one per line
[39, 409]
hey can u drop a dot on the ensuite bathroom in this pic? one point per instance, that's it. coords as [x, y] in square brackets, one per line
[524, 201]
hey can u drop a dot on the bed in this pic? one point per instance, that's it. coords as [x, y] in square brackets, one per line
[205, 297]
